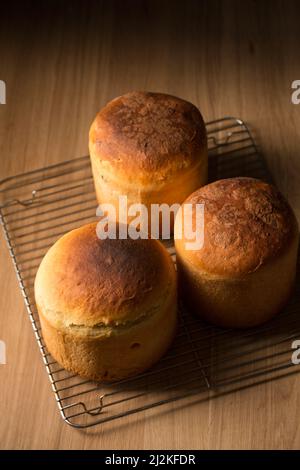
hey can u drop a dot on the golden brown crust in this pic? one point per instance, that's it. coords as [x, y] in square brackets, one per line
[120, 352]
[84, 281]
[149, 133]
[246, 223]
[241, 302]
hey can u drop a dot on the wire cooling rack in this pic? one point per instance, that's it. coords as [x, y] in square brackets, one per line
[205, 362]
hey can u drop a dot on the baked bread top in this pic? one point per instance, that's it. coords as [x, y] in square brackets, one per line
[84, 281]
[247, 223]
[148, 134]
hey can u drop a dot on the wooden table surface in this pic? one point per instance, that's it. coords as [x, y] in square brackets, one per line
[60, 66]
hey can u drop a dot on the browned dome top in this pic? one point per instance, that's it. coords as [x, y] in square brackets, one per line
[85, 281]
[148, 131]
[246, 223]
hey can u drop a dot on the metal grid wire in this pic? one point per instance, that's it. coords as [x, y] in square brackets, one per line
[204, 362]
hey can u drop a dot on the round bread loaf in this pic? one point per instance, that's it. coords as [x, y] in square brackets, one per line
[151, 147]
[245, 270]
[107, 307]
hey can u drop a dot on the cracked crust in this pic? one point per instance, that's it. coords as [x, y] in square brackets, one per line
[246, 223]
[149, 132]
